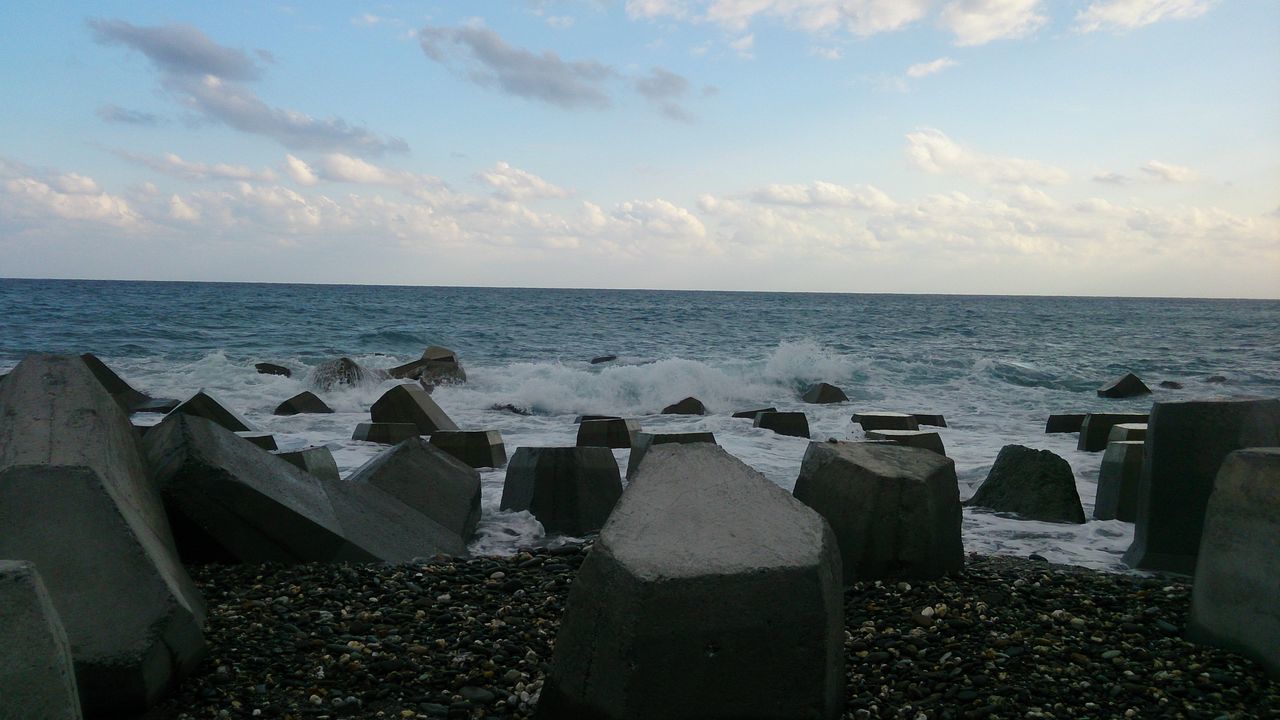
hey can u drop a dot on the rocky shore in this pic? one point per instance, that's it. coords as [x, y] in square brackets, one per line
[1004, 638]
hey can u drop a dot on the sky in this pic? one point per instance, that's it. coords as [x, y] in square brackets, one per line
[1045, 147]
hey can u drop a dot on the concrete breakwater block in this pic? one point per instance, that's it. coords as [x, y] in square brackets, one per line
[1095, 431]
[1064, 423]
[1127, 385]
[925, 439]
[643, 441]
[429, 480]
[930, 419]
[266, 368]
[1235, 601]
[1125, 432]
[264, 440]
[315, 459]
[793, 424]
[710, 594]
[614, 433]
[75, 501]
[1186, 444]
[438, 365]
[895, 510]
[411, 404]
[304, 402]
[204, 405]
[129, 399]
[823, 394]
[687, 406]
[886, 421]
[751, 414]
[578, 419]
[36, 671]
[1118, 479]
[1035, 484]
[385, 433]
[571, 490]
[343, 371]
[476, 448]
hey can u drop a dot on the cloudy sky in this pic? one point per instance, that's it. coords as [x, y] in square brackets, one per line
[1094, 147]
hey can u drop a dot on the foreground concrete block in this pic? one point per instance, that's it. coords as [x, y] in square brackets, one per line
[886, 421]
[1125, 432]
[386, 433]
[411, 404]
[122, 392]
[710, 594]
[315, 459]
[1127, 385]
[1118, 481]
[794, 424]
[611, 433]
[476, 448]
[1186, 444]
[578, 419]
[1235, 602]
[895, 510]
[264, 440]
[37, 677]
[304, 402]
[1064, 423]
[687, 406]
[643, 441]
[931, 419]
[1095, 430]
[925, 439]
[824, 393]
[570, 490]
[204, 405]
[1035, 484]
[751, 414]
[74, 500]
[429, 480]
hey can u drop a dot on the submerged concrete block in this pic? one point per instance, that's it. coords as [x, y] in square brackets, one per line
[1186, 444]
[304, 402]
[343, 371]
[824, 393]
[436, 366]
[643, 441]
[611, 433]
[411, 404]
[429, 480]
[1035, 484]
[1118, 480]
[386, 433]
[794, 424]
[1095, 430]
[751, 414]
[315, 459]
[266, 368]
[1235, 602]
[204, 405]
[926, 439]
[571, 490]
[477, 448]
[37, 676]
[895, 510]
[1064, 423]
[886, 421]
[1125, 432]
[710, 594]
[687, 406]
[1127, 385]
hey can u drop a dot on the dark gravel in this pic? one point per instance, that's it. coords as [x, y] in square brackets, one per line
[471, 639]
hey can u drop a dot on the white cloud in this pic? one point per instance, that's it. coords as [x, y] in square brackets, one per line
[366, 19]
[745, 46]
[1112, 178]
[1129, 14]
[1167, 172]
[650, 9]
[859, 17]
[300, 171]
[76, 184]
[511, 183]
[28, 198]
[932, 151]
[180, 210]
[824, 194]
[174, 165]
[924, 69]
[827, 53]
[978, 22]
[337, 167]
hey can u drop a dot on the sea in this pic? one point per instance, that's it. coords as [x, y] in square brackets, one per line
[995, 367]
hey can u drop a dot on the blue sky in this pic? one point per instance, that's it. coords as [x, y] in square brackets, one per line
[1099, 147]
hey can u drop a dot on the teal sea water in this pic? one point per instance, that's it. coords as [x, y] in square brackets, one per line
[994, 366]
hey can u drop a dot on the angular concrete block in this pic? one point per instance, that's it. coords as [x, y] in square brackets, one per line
[570, 490]
[687, 406]
[1235, 602]
[710, 594]
[204, 405]
[1125, 432]
[1127, 385]
[1185, 446]
[385, 433]
[264, 440]
[611, 433]
[603, 359]
[1035, 484]
[930, 419]
[315, 459]
[122, 392]
[643, 441]
[751, 414]
[37, 676]
[411, 404]
[824, 393]
[1095, 431]
[265, 368]
[895, 510]
[794, 424]
[1064, 423]
[304, 402]
[925, 439]
[1118, 480]
[476, 448]
[429, 480]
[583, 418]
[886, 421]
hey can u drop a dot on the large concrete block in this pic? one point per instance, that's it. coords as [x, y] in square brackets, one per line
[1118, 479]
[1125, 432]
[824, 393]
[793, 424]
[895, 510]
[476, 448]
[74, 500]
[926, 439]
[710, 595]
[751, 414]
[1064, 423]
[315, 459]
[609, 432]
[687, 406]
[1035, 484]
[931, 419]
[429, 480]
[385, 433]
[204, 405]
[571, 490]
[643, 441]
[1235, 602]
[304, 402]
[886, 421]
[411, 404]
[129, 399]
[1127, 385]
[37, 677]
[1095, 430]
[1186, 444]
[343, 371]
[266, 368]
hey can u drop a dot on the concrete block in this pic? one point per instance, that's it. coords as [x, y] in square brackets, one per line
[476, 448]
[583, 418]
[1124, 432]
[710, 594]
[37, 676]
[1035, 484]
[571, 490]
[927, 439]
[930, 419]
[264, 440]
[1064, 423]
[643, 441]
[751, 414]
[611, 433]
[304, 402]
[343, 371]
[411, 404]
[895, 510]
[687, 406]
[1127, 385]
[265, 368]
[1095, 430]
[204, 405]
[1118, 479]
[385, 433]
[315, 459]
[122, 392]
[429, 480]
[886, 421]
[794, 424]
[824, 393]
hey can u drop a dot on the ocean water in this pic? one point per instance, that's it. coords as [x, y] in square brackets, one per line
[996, 367]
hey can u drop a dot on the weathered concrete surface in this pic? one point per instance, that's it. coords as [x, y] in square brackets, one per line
[642, 441]
[926, 439]
[583, 418]
[930, 419]
[1127, 385]
[886, 421]
[1124, 432]
[794, 424]
[687, 406]
[37, 677]
[204, 405]
[710, 595]
[436, 366]
[1186, 444]
[343, 371]
[1235, 602]
[74, 500]
[611, 433]
[1095, 430]
[304, 402]
[1035, 484]
[895, 510]
[266, 368]
[1064, 423]
[824, 393]
[429, 480]
[1118, 481]
[264, 440]
[411, 404]
[476, 448]
[751, 414]
[571, 490]
[122, 392]
[386, 433]
[315, 459]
